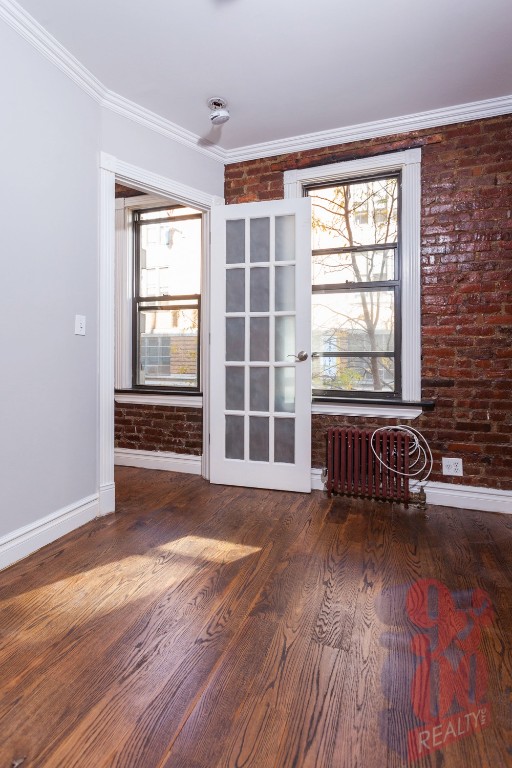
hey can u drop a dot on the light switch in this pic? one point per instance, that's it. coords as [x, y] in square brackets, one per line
[79, 325]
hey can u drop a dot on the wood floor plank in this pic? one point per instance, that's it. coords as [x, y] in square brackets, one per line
[212, 627]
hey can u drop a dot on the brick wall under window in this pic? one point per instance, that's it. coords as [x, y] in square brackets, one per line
[466, 263]
[159, 428]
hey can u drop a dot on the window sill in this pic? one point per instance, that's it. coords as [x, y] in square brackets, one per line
[385, 411]
[147, 398]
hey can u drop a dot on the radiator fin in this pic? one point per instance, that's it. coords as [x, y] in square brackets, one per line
[354, 470]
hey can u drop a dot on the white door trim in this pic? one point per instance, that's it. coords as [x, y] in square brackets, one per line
[112, 169]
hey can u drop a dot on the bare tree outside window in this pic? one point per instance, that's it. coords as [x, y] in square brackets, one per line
[356, 287]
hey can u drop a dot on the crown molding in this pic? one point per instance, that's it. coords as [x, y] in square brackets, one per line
[154, 122]
[459, 113]
[31, 31]
[28, 28]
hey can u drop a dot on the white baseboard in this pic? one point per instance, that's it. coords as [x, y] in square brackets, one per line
[167, 461]
[316, 480]
[23, 541]
[468, 497]
[448, 495]
[107, 498]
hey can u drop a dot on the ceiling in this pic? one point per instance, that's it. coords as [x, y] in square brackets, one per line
[288, 67]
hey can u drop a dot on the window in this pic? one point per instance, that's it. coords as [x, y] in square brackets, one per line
[366, 283]
[356, 288]
[166, 298]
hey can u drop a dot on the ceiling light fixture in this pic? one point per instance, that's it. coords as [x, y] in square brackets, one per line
[219, 113]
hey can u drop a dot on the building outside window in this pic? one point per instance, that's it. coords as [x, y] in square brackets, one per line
[166, 298]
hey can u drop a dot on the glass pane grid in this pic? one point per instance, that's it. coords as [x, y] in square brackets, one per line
[356, 325]
[258, 436]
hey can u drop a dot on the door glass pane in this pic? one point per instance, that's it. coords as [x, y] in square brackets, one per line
[235, 290]
[285, 337]
[259, 339]
[285, 238]
[285, 390]
[285, 288]
[258, 438]
[235, 338]
[259, 289]
[260, 239]
[284, 440]
[259, 389]
[235, 241]
[234, 437]
[235, 388]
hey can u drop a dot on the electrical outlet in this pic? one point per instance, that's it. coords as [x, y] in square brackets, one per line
[79, 325]
[452, 466]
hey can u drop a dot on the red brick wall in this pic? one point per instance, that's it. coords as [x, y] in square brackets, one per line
[159, 428]
[466, 259]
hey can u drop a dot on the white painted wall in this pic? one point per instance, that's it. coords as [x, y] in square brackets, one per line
[133, 143]
[52, 134]
[49, 132]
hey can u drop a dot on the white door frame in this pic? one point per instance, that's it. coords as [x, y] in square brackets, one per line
[111, 170]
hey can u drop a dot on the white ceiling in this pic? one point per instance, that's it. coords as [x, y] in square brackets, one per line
[288, 67]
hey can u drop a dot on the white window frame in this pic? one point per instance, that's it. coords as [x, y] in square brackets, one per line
[408, 164]
[123, 303]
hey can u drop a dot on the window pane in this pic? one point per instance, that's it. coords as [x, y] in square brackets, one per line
[168, 347]
[260, 239]
[235, 388]
[167, 213]
[235, 338]
[235, 241]
[284, 440]
[235, 290]
[284, 337]
[353, 321]
[234, 448]
[259, 343]
[355, 267]
[259, 389]
[285, 238]
[364, 374]
[259, 289]
[285, 289]
[284, 397]
[170, 258]
[357, 213]
[258, 438]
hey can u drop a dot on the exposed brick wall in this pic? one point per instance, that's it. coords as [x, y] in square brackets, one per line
[159, 428]
[466, 259]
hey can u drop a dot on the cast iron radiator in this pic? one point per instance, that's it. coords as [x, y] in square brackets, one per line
[353, 468]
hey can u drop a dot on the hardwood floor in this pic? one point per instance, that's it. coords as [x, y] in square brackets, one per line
[207, 626]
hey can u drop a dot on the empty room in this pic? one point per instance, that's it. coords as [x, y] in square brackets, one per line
[256, 486]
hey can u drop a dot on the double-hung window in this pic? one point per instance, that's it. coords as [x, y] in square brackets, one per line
[356, 288]
[366, 341]
[166, 298]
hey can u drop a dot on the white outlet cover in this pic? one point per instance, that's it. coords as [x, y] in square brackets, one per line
[79, 325]
[452, 466]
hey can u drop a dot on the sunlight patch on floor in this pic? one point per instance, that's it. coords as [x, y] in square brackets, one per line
[213, 550]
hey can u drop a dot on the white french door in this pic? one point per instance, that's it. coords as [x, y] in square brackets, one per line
[260, 361]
